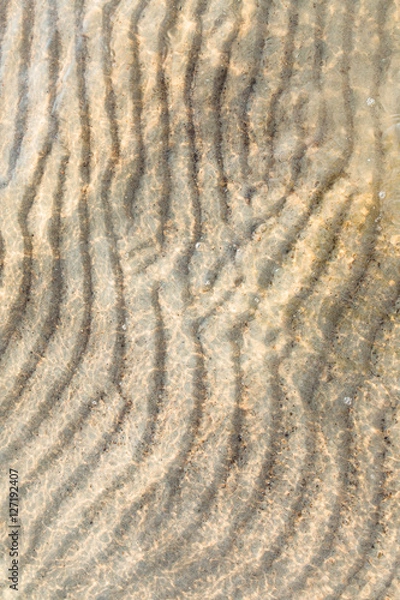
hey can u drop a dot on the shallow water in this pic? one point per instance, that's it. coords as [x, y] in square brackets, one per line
[200, 336]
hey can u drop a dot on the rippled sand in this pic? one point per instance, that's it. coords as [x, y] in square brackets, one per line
[199, 315]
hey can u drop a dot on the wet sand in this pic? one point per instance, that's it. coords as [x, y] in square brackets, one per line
[199, 316]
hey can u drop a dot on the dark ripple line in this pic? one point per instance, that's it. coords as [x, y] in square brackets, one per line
[219, 83]
[230, 455]
[230, 253]
[235, 452]
[237, 437]
[129, 515]
[270, 557]
[338, 221]
[25, 49]
[135, 86]
[157, 390]
[2, 257]
[80, 347]
[117, 363]
[89, 516]
[19, 306]
[347, 475]
[264, 478]
[110, 100]
[87, 292]
[390, 298]
[330, 179]
[389, 580]
[194, 153]
[92, 459]
[212, 560]
[306, 391]
[371, 527]
[171, 554]
[117, 369]
[164, 203]
[174, 489]
[285, 77]
[269, 461]
[48, 329]
[309, 391]
[347, 470]
[183, 262]
[78, 351]
[84, 230]
[386, 304]
[266, 473]
[176, 549]
[75, 483]
[173, 478]
[4, 5]
[325, 257]
[174, 482]
[297, 160]
[119, 351]
[246, 96]
[319, 56]
[28, 199]
[334, 173]
[52, 321]
[300, 298]
[77, 480]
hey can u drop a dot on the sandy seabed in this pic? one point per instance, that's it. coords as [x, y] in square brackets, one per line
[199, 312]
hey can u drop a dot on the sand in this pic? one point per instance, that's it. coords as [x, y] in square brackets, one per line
[199, 315]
